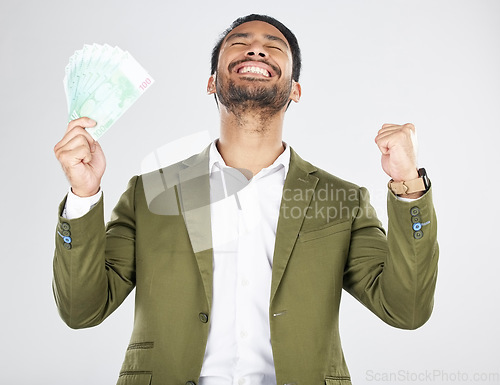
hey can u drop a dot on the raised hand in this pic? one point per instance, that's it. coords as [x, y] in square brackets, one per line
[81, 158]
[398, 144]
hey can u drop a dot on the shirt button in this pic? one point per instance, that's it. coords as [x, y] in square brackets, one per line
[243, 334]
[245, 282]
[241, 381]
[203, 318]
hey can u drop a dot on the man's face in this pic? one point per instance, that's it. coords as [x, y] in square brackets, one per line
[255, 69]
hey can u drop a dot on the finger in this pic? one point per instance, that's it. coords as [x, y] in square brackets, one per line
[384, 135]
[389, 127]
[81, 122]
[95, 146]
[391, 138]
[383, 139]
[388, 139]
[76, 141]
[75, 156]
[411, 126]
[383, 147]
[392, 129]
[74, 132]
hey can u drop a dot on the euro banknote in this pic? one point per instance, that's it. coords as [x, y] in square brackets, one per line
[102, 82]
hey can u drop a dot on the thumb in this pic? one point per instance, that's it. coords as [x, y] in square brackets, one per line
[382, 145]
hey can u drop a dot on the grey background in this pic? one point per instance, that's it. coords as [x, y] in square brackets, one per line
[431, 62]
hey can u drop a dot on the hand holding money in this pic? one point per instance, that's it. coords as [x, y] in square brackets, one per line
[101, 83]
[81, 157]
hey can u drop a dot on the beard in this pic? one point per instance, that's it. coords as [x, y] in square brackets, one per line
[254, 98]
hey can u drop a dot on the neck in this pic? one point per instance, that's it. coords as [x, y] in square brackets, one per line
[250, 140]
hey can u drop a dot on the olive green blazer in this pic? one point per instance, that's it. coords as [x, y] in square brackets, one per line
[328, 238]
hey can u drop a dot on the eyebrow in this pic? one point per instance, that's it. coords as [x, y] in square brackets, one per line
[248, 35]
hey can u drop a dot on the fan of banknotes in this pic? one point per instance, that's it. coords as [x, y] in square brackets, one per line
[102, 82]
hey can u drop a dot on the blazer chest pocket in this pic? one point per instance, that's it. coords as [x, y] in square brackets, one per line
[134, 378]
[325, 231]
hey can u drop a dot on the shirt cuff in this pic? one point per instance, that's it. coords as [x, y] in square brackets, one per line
[77, 207]
[402, 199]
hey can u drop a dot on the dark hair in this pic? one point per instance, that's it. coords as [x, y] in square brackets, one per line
[290, 37]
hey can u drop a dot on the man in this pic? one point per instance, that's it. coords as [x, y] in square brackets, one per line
[239, 254]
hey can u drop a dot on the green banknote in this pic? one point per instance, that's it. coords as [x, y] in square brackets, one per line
[102, 82]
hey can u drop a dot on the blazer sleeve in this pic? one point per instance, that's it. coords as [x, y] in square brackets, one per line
[94, 265]
[394, 275]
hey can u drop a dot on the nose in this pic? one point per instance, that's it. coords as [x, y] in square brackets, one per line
[255, 52]
[256, 49]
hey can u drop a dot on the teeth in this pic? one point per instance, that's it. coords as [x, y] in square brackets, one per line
[255, 70]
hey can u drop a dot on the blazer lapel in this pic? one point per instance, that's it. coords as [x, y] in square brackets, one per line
[296, 198]
[194, 197]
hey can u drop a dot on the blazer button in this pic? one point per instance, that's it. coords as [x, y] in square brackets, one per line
[203, 318]
[414, 211]
[190, 383]
[65, 226]
[67, 246]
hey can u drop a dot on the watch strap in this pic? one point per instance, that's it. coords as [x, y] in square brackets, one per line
[410, 186]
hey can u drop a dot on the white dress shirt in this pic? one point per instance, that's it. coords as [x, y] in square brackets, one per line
[244, 216]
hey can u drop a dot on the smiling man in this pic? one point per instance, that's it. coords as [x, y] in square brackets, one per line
[259, 81]
[239, 254]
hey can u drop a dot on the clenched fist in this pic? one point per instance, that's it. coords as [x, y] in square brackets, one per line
[398, 144]
[81, 158]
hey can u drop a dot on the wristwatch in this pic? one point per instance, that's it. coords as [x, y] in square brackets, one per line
[411, 186]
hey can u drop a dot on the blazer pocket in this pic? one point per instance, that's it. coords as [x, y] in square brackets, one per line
[134, 378]
[338, 380]
[325, 231]
[136, 368]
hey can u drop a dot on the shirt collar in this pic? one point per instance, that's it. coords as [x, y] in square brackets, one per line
[215, 160]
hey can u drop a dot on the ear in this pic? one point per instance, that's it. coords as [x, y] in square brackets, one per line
[211, 85]
[296, 91]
